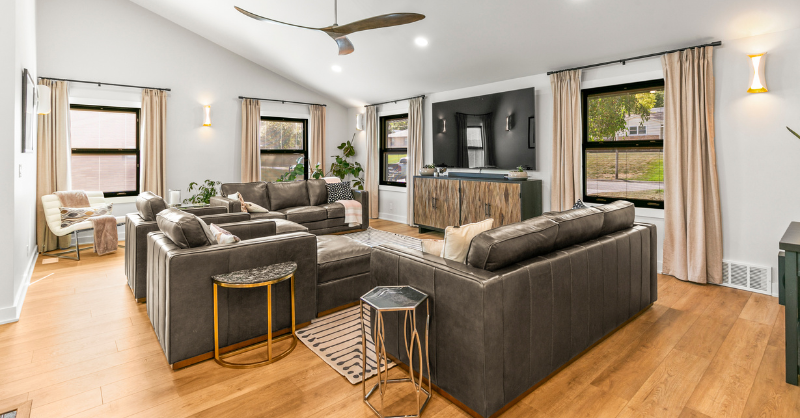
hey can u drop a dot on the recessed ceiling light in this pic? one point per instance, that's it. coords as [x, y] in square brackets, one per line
[421, 41]
[336, 69]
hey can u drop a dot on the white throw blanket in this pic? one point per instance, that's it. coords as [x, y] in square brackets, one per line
[352, 212]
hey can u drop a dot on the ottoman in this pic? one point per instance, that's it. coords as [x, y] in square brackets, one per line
[342, 271]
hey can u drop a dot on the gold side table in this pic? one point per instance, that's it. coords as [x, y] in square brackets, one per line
[393, 299]
[246, 279]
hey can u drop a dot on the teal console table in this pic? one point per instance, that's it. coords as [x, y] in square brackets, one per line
[790, 244]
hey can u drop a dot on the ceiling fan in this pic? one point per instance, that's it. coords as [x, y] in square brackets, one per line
[339, 33]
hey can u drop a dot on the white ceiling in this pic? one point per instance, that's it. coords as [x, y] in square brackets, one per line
[471, 42]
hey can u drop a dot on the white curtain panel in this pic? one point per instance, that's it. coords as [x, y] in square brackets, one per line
[565, 185]
[316, 137]
[154, 142]
[414, 151]
[251, 126]
[373, 159]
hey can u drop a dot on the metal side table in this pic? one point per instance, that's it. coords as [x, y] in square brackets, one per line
[257, 277]
[392, 299]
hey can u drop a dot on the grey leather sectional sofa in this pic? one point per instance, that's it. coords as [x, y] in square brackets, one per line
[531, 298]
[304, 202]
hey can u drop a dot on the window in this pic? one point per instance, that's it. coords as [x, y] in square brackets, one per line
[394, 150]
[623, 144]
[284, 145]
[105, 149]
[475, 146]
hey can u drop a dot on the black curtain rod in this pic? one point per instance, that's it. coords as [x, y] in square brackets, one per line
[282, 101]
[395, 101]
[104, 84]
[622, 61]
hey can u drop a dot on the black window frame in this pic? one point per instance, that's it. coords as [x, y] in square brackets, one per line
[115, 151]
[631, 144]
[304, 151]
[384, 138]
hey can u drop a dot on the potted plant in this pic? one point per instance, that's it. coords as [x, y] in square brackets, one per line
[519, 173]
[205, 191]
[427, 170]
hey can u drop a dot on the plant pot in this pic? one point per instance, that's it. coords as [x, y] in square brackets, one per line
[426, 171]
[517, 174]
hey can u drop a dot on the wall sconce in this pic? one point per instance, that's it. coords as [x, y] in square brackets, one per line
[444, 125]
[44, 99]
[207, 115]
[359, 122]
[509, 122]
[758, 83]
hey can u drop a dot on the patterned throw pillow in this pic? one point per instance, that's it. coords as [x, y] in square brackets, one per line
[339, 191]
[253, 208]
[222, 236]
[71, 216]
[579, 205]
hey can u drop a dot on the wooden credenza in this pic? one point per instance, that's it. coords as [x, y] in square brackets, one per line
[440, 202]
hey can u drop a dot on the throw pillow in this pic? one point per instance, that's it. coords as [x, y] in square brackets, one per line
[457, 239]
[207, 230]
[253, 208]
[222, 236]
[433, 246]
[237, 196]
[579, 205]
[339, 191]
[71, 216]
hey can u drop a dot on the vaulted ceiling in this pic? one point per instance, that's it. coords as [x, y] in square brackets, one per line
[470, 42]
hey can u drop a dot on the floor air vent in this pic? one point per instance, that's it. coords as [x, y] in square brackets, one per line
[747, 277]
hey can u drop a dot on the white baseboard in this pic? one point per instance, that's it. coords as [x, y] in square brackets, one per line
[392, 217]
[11, 313]
[660, 269]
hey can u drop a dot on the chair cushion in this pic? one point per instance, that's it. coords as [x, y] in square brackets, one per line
[303, 214]
[618, 215]
[317, 192]
[287, 194]
[255, 192]
[339, 256]
[509, 244]
[335, 210]
[148, 204]
[576, 226]
[184, 229]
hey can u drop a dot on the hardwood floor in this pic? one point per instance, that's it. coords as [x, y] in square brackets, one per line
[84, 348]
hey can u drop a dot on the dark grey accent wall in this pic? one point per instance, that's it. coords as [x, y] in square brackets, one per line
[511, 147]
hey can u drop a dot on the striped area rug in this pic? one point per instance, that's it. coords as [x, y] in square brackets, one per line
[375, 237]
[336, 339]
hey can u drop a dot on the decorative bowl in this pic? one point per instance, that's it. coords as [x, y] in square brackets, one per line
[518, 174]
[426, 171]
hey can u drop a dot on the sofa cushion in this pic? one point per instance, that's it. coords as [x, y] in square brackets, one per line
[303, 214]
[267, 215]
[255, 192]
[148, 204]
[335, 210]
[576, 226]
[287, 194]
[509, 244]
[184, 229]
[317, 192]
[339, 256]
[617, 216]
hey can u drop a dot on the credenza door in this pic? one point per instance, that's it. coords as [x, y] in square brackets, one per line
[473, 202]
[446, 204]
[424, 212]
[504, 203]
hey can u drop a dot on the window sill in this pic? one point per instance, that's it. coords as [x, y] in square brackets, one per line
[640, 212]
[121, 199]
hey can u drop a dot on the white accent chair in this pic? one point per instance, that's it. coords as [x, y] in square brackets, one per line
[52, 213]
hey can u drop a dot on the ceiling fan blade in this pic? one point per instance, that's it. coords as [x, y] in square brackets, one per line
[345, 46]
[263, 19]
[375, 22]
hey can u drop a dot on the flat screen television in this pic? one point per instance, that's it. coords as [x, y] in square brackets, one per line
[495, 131]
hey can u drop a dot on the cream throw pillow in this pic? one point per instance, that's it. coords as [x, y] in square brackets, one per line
[253, 208]
[433, 246]
[457, 239]
[237, 196]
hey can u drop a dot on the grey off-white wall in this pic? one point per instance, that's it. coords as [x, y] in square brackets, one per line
[118, 41]
[18, 250]
[757, 157]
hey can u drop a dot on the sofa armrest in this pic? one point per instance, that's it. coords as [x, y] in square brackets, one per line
[232, 206]
[226, 218]
[256, 228]
[209, 210]
[136, 230]
[180, 291]
[362, 196]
